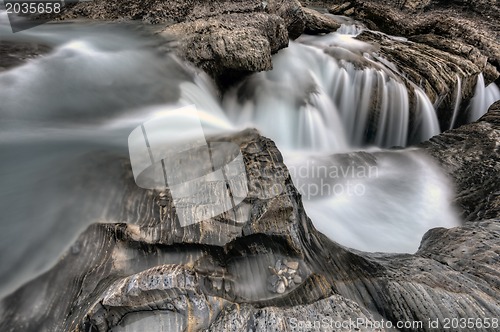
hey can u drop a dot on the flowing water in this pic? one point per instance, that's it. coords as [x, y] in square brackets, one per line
[71, 111]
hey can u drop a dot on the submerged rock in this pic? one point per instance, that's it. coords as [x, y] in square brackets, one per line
[16, 53]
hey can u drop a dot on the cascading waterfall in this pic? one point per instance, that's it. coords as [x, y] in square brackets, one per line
[372, 104]
[428, 124]
[484, 96]
[323, 97]
[458, 101]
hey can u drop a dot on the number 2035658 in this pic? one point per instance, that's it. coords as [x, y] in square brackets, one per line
[33, 7]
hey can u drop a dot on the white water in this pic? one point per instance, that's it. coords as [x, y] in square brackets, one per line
[101, 81]
[458, 101]
[386, 207]
[484, 97]
[342, 106]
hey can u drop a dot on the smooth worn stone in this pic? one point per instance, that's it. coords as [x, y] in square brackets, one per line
[280, 287]
[293, 265]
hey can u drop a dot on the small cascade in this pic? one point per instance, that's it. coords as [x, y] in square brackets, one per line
[350, 29]
[330, 103]
[458, 101]
[426, 123]
[484, 97]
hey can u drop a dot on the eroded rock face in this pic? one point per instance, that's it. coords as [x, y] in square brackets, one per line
[457, 27]
[438, 73]
[148, 272]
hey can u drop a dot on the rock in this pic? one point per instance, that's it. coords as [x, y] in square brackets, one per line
[316, 23]
[293, 265]
[335, 309]
[435, 71]
[280, 287]
[231, 45]
[458, 27]
[15, 53]
[291, 12]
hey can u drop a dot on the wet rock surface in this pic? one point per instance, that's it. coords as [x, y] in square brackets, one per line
[438, 73]
[13, 54]
[464, 28]
[445, 46]
[148, 272]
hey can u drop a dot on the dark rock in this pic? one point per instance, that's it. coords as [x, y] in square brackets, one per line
[230, 44]
[149, 11]
[457, 27]
[318, 23]
[13, 54]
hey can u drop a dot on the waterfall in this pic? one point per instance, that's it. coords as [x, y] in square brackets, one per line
[458, 101]
[428, 124]
[350, 29]
[484, 97]
[325, 95]
[342, 104]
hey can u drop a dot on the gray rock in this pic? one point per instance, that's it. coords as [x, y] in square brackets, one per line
[293, 265]
[435, 71]
[458, 27]
[316, 22]
[280, 287]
